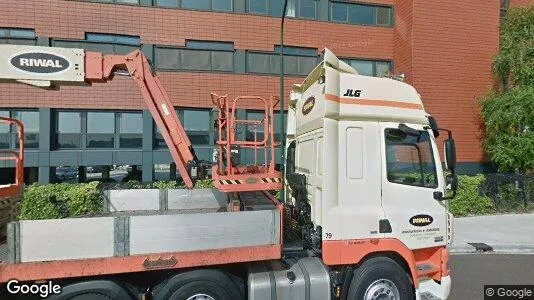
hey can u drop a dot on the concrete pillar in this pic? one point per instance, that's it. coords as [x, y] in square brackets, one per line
[82, 174]
[46, 174]
[148, 146]
[172, 171]
[33, 175]
[105, 171]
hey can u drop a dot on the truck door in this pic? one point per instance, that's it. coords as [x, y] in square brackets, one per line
[410, 176]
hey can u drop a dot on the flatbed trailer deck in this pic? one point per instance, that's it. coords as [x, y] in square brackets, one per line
[181, 231]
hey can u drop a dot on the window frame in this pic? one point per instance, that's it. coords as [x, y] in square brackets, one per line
[84, 133]
[420, 164]
[10, 39]
[11, 134]
[197, 45]
[349, 61]
[350, 5]
[289, 51]
[179, 5]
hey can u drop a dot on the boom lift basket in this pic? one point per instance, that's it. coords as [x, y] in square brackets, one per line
[227, 175]
[10, 193]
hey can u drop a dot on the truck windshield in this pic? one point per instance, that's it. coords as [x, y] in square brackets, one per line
[410, 159]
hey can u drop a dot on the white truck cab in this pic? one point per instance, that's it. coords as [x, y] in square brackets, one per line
[364, 175]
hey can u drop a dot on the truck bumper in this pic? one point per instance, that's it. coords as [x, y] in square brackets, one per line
[430, 289]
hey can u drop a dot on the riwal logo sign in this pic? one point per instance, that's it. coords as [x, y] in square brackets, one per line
[39, 62]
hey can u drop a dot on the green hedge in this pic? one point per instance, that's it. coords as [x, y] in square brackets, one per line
[62, 200]
[468, 201]
[69, 200]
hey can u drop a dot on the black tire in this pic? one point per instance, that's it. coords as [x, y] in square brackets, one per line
[94, 289]
[380, 268]
[212, 283]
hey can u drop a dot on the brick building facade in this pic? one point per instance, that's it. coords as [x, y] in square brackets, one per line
[445, 50]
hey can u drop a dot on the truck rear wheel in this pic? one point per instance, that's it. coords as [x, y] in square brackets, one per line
[93, 290]
[380, 278]
[199, 285]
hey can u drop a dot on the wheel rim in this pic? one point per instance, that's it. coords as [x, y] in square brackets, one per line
[382, 289]
[201, 297]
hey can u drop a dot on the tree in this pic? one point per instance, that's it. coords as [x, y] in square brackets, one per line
[508, 111]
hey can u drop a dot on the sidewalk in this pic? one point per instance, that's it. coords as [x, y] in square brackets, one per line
[512, 233]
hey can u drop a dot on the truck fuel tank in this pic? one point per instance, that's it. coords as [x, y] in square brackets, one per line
[306, 278]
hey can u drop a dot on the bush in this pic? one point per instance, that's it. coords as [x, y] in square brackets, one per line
[63, 200]
[204, 184]
[468, 201]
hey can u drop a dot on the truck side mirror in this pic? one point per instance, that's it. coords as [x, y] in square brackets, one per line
[449, 149]
[452, 180]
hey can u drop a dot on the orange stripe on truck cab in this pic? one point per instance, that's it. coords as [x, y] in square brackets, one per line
[368, 102]
[352, 252]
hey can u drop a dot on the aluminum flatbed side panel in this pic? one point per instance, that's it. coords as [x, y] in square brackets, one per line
[145, 232]
[43, 240]
[192, 232]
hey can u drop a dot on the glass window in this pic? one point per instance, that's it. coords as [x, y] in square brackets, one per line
[364, 67]
[291, 10]
[4, 127]
[69, 122]
[409, 158]
[167, 58]
[97, 47]
[197, 126]
[113, 38]
[195, 60]
[196, 4]
[308, 9]
[122, 49]
[222, 61]
[291, 65]
[297, 51]
[224, 5]
[68, 133]
[131, 129]
[206, 45]
[100, 130]
[159, 142]
[258, 62]
[383, 15]
[257, 6]
[22, 33]
[100, 122]
[198, 120]
[97, 37]
[362, 14]
[276, 6]
[382, 68]
[5, 136]
[338, 11]
[128, 1]
[131, 123]
[30, 119]
[255, 132]
[274, 63]
[167, 3]
[306, 65]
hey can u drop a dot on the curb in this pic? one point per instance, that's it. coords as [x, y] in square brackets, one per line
[497, 249]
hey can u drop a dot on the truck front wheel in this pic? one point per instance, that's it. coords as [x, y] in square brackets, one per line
[380, 278]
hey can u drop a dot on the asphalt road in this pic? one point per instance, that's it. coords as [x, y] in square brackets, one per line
[472, 271]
